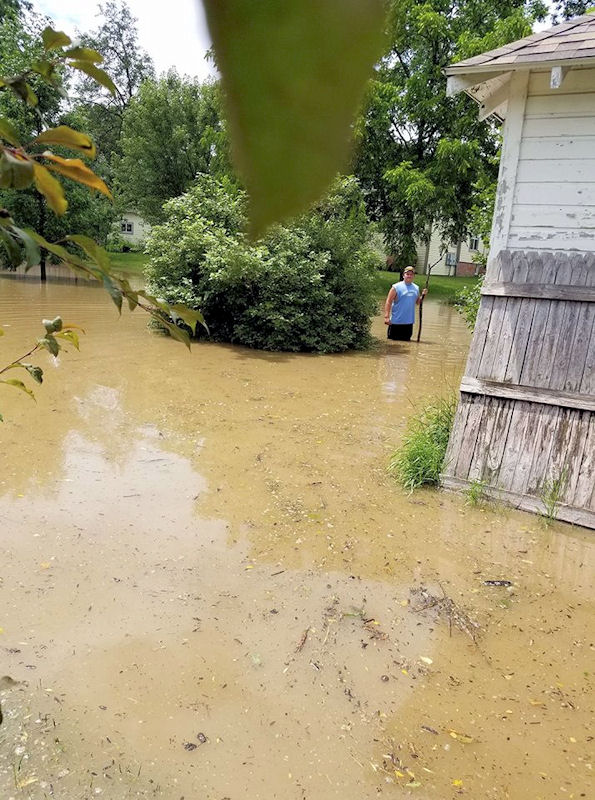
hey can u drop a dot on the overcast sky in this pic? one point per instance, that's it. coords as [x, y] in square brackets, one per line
[174, 33]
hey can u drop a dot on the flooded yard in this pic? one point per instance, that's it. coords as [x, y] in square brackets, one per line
[210, 587]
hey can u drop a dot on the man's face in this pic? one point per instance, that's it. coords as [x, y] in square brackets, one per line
[408, 277]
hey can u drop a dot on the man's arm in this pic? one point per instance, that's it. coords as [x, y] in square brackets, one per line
[391, 298]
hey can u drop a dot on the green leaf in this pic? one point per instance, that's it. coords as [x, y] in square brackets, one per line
[113, 292]
[47, 70]
[50, 188]
[49, 344]
[94, 72]
[70, 336]
[8, 132]
[15, 172]
[53, 39]
[92, 249]
[19, 385]
[294, 73]
[35, 372]
[22, 89]
[174, 331]
[75, 263]
[12, 248]
[84, 54]
[189, 316]
[66, 137]
[31, 248]
[52, 325]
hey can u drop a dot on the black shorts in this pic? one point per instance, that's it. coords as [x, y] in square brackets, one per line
[400, 333]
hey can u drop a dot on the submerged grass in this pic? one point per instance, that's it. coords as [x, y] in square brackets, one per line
[419, 459]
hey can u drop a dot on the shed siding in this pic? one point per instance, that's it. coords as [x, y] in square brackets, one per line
[553, 196]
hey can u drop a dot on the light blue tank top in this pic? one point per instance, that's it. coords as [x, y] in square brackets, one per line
[403, 310]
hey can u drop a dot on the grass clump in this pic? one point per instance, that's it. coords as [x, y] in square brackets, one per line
[551, 494]
[419, 459]
[475, 493]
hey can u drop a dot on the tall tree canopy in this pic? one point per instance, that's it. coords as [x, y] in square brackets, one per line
[128, 66]
[172, 130]
[421, 153]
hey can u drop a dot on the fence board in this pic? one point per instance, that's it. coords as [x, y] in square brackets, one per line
[479, 335]
[583, 492]
[471, 432]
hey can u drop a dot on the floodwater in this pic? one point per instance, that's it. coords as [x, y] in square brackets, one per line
[210, 587]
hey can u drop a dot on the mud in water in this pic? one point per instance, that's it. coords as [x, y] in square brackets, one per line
[210, 588]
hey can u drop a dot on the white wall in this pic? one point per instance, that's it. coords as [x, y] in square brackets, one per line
[140, 228]
[550, 190]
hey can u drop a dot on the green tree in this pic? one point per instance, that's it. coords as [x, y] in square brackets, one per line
[128, 66]
[420, 153]
[172, 131]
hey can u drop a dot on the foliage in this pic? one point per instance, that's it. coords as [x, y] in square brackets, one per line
[128, 65]
[420, 153]
[475, 493]
[27, 161]
[293, 72]
[467, 301]
[172, 130]
[551, 494]
[420, 458]
[306, 287]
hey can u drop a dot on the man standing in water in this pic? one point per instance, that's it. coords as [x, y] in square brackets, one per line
[399, 309]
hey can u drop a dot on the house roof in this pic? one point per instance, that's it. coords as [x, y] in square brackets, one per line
[573, 41]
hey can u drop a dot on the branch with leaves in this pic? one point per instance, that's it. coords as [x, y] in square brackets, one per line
[23, 164]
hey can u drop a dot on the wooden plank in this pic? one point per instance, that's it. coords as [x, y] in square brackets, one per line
[564, 455]
[557, 149]
[529, 394]
[580, 104]
[478, 341]
[520, 265]
[565, 513]
[501, 410]
[540, 319]
[577, 454]
[538, 472]
[521, 417]
[539, 291]
[526, 447]
[472, 427]
[505, 266]
[456, 435]
[569, 126]
[518, 353]
[492, 338]
[507, 340]
[570, 170]
[552, 194]
[583, 489]
[483, 444]
[582, 239]
[551, 335]
[543, 216]
[579, 349]
[588, 379]
[564, 352]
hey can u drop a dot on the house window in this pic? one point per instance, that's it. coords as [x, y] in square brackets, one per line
[127, 227]
[451, 260]
[473, 242]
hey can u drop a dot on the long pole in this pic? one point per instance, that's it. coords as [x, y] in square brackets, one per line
[421, 302]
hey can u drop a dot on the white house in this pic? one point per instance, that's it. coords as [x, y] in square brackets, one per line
[133, 228]
[525, 425]
[456, 259]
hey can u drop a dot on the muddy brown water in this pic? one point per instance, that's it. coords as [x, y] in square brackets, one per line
[210, 587]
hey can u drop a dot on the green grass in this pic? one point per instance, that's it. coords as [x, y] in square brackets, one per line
[420, 457]
[441, 287]
[129, 262]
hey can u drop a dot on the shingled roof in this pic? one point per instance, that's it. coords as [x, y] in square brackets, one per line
[571, 41]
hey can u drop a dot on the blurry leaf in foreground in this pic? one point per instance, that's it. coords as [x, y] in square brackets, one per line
[294, 72]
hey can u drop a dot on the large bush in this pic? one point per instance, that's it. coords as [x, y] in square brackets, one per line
[307, 287]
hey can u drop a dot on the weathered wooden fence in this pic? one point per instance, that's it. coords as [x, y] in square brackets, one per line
[525, 425]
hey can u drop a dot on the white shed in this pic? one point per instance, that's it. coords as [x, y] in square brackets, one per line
[133, 228]
[525, 426]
